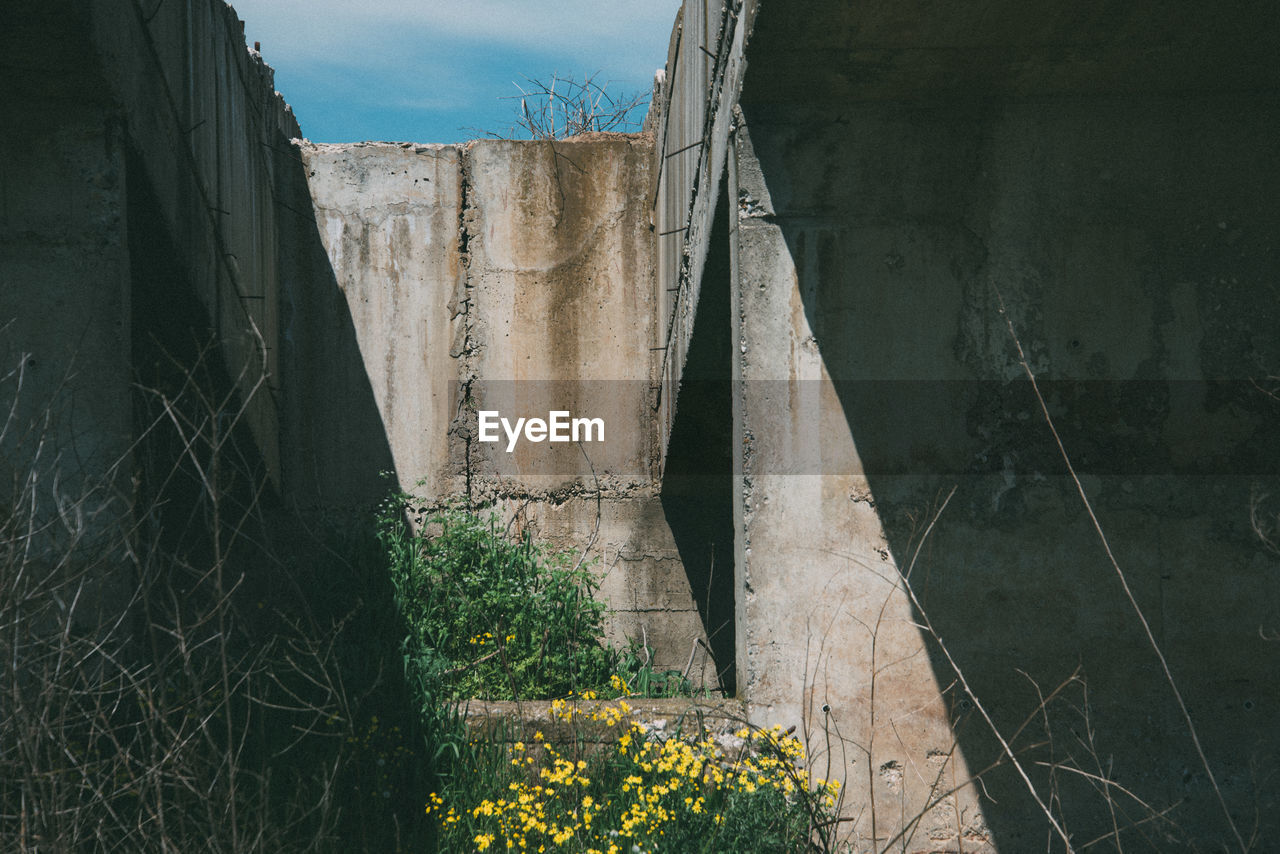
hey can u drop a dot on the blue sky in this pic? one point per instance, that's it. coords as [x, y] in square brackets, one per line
[430, 70]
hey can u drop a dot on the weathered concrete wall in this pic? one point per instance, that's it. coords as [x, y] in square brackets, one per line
[202, 117]
[560, 304]
[372, 323]
[826, 634]
[693, 108]
[64, 302]
[511, 276]
[841, 53]
[895, 175]
[1130, 232]
[137, 161]
[380, 294]
[65, 440]
[64, 314]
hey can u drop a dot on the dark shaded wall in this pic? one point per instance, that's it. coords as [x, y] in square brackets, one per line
[64, 308]
[155, 225]
[897, 206]
[697, 479]
[168, 116]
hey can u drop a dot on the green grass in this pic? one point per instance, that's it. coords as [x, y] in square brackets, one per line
[494, 617]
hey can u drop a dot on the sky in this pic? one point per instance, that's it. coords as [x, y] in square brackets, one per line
[444, 70]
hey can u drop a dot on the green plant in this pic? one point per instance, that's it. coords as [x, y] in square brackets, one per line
[491, 616]
[638, 678]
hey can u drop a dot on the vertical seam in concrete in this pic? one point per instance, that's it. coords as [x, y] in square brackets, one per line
[741, 432]
[466, 367]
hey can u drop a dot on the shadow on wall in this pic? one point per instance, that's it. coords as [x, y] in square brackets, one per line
[192, 604]
[333, 444]
[205, 508]
[697, 482]
[334, 447]
[1132, 242]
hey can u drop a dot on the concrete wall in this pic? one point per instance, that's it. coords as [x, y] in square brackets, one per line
[369, 298]
[826, 635]
[64, 303]
[1128, 226]
[138, 175]
[370, 322]
[207, 130]
[514, 276]
[691, 114]
[902, 183]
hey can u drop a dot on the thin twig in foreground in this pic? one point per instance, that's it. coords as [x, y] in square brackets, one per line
[1124, 582]
[964, 683]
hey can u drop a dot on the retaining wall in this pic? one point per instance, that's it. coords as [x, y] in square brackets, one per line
[507, 276]
[910, 186]
[138, 173]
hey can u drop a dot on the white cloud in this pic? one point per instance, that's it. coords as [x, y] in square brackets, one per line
[630, 33]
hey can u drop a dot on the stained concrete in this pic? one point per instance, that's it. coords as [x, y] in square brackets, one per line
[387, 216]
[561, 303]
[368, 298]
[517, 277]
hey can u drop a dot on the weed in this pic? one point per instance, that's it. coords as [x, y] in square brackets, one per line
[493, 617]
[565, 107]
[636, 676]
